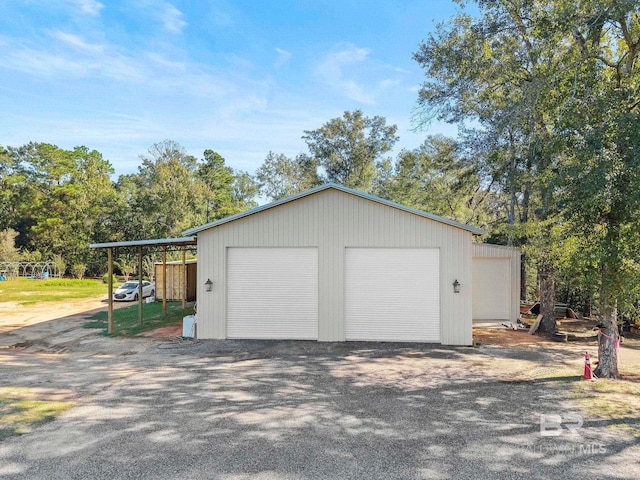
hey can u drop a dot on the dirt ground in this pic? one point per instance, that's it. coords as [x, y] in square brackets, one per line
[580, 332]
[159, 408]
[14, 315]
[56, 327]
[156, 407]
[49, 326]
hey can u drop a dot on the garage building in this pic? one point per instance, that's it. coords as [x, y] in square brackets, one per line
[496, 282]
[335, 264]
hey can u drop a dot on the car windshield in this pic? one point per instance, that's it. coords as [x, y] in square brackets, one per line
[130, 285]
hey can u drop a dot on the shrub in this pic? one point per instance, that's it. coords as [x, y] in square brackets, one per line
[78, 270]
[61, 264]
[105, 278]
[8, 250]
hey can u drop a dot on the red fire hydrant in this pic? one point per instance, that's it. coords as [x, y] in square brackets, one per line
[588, 374]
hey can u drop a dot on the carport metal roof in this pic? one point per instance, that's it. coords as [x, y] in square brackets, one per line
[165, 243]
[156, 242]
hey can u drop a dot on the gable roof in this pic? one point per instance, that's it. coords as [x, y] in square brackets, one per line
[341, 188]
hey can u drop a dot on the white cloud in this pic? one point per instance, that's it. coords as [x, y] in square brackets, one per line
[164, 62]
[89, 7]
[283, 57]
[69, 56]
[76, 41]
[93, 61]
[171, 18]
[333, 70]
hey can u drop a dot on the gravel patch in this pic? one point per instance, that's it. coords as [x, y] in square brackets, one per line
[150, 409]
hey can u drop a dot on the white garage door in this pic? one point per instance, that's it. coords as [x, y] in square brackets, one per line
[272, 293]
[491, 288]
[392, 294]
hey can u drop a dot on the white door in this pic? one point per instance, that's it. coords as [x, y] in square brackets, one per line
[392, 294]
[491, 288]
[272, 293]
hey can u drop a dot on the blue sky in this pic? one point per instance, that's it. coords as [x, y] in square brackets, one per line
[238, 77]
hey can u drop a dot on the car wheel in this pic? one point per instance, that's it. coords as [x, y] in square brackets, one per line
[153, 292]
[135, 297]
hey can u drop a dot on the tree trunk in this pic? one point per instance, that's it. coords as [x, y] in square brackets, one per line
[587, 305]
[547, 298]
[608, 342]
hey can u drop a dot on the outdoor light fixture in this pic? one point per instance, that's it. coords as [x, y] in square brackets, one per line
[456, 286]
[208, 285]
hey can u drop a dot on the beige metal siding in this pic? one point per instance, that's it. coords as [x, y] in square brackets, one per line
[488, 251]
[491, 289]
[333, 220]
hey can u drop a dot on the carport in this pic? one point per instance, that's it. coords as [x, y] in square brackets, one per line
[166, 244]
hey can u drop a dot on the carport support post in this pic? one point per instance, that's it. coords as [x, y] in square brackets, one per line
[164, 280]
[110, 290]
[140, 299]
[184, 277]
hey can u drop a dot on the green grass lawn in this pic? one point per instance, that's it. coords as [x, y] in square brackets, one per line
[29, 292]
[20, 412]
[125, 319]
[614, 400]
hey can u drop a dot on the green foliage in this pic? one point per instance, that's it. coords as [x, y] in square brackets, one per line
[554, 90]
[435, 178]
[245, 188]
[105, 278]
[32, 256]
[168, 196]
[281, 176]
[60, 199]
[173, 191]
[8, 250]
[61, 264]
[127, 264]
[149, 265]
[222, 196]
[348, 148]
[345, 150]
[78, 270]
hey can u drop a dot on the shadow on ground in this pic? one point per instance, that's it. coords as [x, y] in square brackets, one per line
[252, 409]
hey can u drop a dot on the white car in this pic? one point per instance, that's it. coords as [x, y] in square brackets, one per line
[129, 291]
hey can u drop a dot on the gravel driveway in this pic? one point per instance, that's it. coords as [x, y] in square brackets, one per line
[297, 410]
